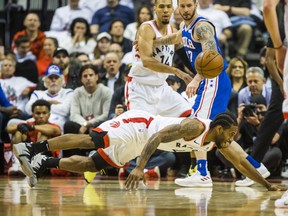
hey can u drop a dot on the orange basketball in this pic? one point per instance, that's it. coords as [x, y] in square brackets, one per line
[209, 63]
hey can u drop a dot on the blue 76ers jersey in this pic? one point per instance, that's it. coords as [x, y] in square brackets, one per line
[192, 47]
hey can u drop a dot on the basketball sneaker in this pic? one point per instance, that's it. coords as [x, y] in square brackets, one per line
[248, 182]
[38, 165]
[283, 201]
[89, 176]
[24, 153]
[196, 180]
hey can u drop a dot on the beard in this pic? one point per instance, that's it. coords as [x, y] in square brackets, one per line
[165, 22]
[188, 17]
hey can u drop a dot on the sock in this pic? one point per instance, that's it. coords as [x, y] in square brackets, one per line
[202, 167]
[40, 147]
[253, 162]
[53, 162]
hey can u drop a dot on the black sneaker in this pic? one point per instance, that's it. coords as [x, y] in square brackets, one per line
[39, 167]
[24, 153]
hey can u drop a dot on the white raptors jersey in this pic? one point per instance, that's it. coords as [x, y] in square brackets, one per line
[286, 19]
[196, 144]
[129, 132]
[162, 53]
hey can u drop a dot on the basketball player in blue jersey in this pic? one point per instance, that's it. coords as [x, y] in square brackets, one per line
[198, 34]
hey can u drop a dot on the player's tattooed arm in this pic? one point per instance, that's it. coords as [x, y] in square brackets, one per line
[174, 38]
[205, 34]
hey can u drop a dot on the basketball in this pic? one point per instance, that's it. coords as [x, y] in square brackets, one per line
[209, 64]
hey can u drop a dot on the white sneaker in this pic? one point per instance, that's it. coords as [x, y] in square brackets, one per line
[248, 182]
[283, 201]
[196, 180]
[152, 173]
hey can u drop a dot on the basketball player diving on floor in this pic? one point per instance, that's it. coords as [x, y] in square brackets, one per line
[119, 140]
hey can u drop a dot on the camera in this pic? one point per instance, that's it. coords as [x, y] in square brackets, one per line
[249, 109]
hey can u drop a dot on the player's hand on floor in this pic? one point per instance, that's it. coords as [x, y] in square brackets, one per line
[277, 188]
[134, 177]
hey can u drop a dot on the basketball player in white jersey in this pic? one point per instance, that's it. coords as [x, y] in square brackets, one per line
[146, 88]
[271, 21]
[136, 133]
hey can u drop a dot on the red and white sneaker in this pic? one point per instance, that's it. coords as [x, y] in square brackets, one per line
[122, 173]
[153, 173]
[196, 180]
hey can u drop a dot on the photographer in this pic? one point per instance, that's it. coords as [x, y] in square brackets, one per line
[249, 119]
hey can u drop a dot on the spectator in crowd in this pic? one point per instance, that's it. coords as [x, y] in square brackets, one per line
[177, 18]
[256, 86]
[115, 47]
[58, 97]
[113, 78]
[103, 43]
[49, 47]
[81, 39]
[242, 23]
[36, 37]
[32, 131]
[64, 16]
[117, 32]
[144, 14]
[83, 58]
[237, 73]
[118, 95]
[16, 89]
[26, 61]
[249, 129]
[70, 67]
[219, 18]
[90, 103]
[101, 20]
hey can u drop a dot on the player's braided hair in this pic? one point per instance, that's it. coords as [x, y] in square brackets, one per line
[225, 119]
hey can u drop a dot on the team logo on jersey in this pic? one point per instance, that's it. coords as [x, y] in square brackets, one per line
[115, 124]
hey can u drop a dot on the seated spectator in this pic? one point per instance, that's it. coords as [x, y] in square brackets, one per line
[32, 31]
[101, 20]
[69, 68]
[256, 86]
[144, 14]
[16, 89]
[80, 39]
[219, 19]
[64, 16]
[115, 47]
[89, 106]
[242, 23]
[118, 95]
[49, 47]
[237, 73]
[32, 131]
[83, 58]
[116, 31]
[26, 61]
[103, 43]
[113, 78]
[58, 97]
[249, 119]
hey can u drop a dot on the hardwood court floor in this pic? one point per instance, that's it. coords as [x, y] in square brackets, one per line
[72, 196]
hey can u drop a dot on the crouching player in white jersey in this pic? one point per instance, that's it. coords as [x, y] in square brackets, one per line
[138, 133]
[198, 34]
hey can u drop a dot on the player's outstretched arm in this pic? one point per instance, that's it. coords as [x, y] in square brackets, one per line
[175, 38]
[237, 156]
[188, 128]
